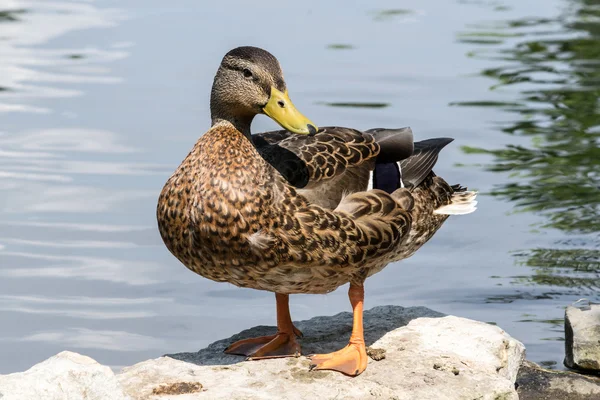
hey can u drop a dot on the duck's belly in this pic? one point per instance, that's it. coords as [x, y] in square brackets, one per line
[223, 257]
[242, 265]
[287, 279]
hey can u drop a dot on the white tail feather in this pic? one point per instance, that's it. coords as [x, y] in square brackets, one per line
[370, 184]
[462, 203]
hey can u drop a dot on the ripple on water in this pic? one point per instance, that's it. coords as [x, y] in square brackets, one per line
[71, 247]
[551, 67]
[28, 72]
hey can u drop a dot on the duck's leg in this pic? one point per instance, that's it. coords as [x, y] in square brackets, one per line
[282, 344]
[352, 359]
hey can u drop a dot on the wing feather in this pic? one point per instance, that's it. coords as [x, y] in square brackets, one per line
[306, 161]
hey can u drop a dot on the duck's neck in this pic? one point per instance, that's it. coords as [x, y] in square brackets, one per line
[240, 124]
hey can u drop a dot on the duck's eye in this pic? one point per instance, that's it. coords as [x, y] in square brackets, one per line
[247, 73]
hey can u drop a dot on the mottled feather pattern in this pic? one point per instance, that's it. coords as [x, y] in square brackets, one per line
[328, 153]
[224, 192]
[229, 215]
[431, 194]
[324, 167]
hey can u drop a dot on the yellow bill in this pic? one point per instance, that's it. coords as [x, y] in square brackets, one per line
[281, 109]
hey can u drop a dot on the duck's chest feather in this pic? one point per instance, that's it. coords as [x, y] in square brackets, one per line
[221, 194]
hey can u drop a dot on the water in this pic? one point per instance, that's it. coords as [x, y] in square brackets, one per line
[100, 101]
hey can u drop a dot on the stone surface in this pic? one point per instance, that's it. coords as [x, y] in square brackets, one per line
[434, 357]
[422, 355]
[582, 337]
[65, 376]
[536, 383]
[321, 334]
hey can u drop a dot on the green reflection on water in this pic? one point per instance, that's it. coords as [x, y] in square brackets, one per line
[486, 37]
[11, 15]
[385, 15]
[570, 268]
[357, 104]
[340, 46]
[554, 63]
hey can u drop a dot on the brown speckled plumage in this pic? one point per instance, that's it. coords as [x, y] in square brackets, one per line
[230, 216]
[268, 211]
[296, 212]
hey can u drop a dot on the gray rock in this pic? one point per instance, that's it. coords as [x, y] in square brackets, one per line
[536, 383]
[582, 338]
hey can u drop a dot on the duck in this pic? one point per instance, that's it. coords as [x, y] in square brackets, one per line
[299, 210]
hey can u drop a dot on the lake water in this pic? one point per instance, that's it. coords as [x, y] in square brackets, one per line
[101, 100]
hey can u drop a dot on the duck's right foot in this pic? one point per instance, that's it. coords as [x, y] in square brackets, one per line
[281, 344]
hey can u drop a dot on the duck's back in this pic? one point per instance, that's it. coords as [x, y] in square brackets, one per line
[401, 167]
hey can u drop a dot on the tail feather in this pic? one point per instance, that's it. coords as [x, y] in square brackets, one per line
[461, 203]
[420, 164]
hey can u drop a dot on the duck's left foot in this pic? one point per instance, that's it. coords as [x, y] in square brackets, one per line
[274, 346]
[351, 360]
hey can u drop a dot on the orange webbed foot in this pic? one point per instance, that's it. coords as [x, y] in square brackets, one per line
[279, 345]
[351, 360]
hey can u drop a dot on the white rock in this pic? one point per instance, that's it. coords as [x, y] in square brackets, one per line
[472, 357]
[430, 358]
[427, 356]
[582, 337]
[65, 376]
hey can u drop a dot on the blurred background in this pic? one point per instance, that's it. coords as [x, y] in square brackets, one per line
[101, 100]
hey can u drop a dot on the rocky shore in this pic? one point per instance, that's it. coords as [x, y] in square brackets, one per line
[415, 353]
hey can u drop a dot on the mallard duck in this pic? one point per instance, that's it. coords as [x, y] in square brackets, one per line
[300, 210]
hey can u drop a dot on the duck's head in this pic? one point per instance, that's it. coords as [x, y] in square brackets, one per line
[250, 82]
